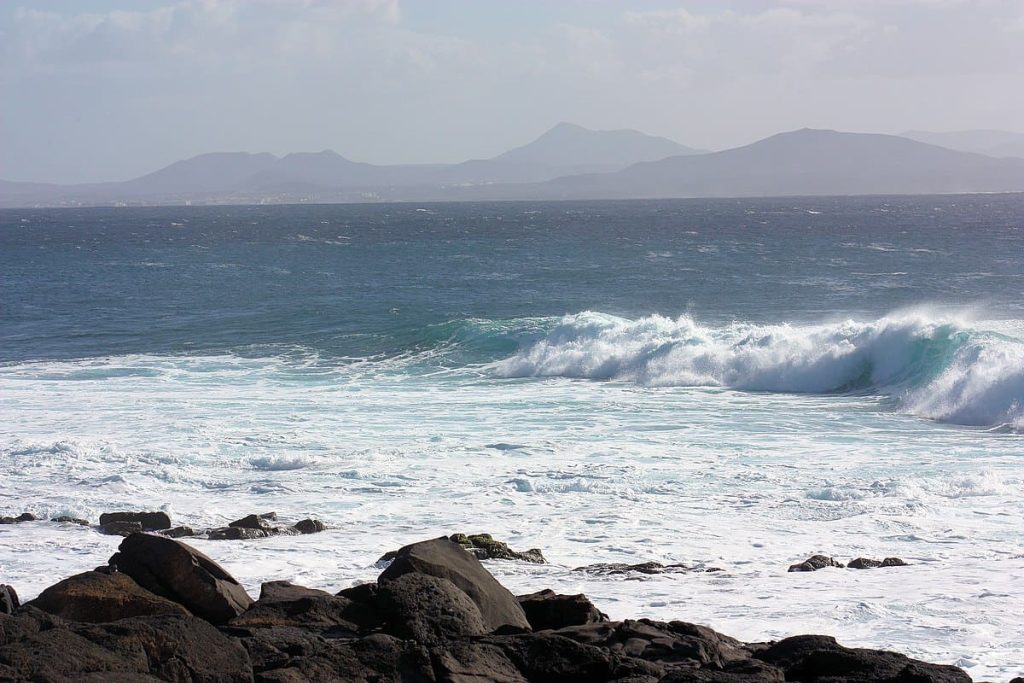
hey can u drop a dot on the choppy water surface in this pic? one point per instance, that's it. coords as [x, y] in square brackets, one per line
[737, 384]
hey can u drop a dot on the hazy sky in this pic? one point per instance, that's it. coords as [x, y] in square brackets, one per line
[108, 89]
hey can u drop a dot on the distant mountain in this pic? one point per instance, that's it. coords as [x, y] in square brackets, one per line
[995, 143]
[803, 162]
[237, 176]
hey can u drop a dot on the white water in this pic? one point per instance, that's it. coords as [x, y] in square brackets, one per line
[623, 470]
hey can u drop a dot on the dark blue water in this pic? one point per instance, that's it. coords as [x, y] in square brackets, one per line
[357, 280]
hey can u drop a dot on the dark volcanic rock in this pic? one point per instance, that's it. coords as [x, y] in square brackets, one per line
[121, 528]
[38, 647]
[550, 657]
[428, 609]
[821, 658]
[254, 521]
[444, 559]
[484, 547]
[64, 519]
[8, 599]
[236, 533]
[282, 603]
[309, 526]
[814, 563]
[893, 562]
[469, 661]
[181, 573]
[549, 610]
[178, 532]
[864, 563]
[150, 521]
[95, 597]
[613, 568]
[23, 517]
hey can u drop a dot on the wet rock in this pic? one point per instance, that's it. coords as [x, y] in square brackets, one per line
[178, 532]
[283, 603]
[121, 528]
[864, 563]
[814, 658]
[309, 526]
[181, 573]
[443, 559]
[64, 519]
[255, 521]
[893, 562]
[150, 521]
[814, 563]
[548, 610]
[23, 517]
[484, 547]
[8, 599]
[613, 568]
[236, 533]
[39, 647]
[96, 597]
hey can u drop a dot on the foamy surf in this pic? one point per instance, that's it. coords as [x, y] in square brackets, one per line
[933, 367]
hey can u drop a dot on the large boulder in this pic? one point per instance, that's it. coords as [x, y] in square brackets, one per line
[39, 647]
[814, 563]
[96, 597]
[548, 610]
[150, 521]
[820, 658]
[8, 599]
[443, 559]
[181, 573]
[428, 610]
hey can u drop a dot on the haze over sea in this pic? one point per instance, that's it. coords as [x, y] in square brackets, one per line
[728, 383]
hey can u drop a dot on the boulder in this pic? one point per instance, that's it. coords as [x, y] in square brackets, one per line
[484, 547]
[236, 533]
[23, 517]
[150, 521]
[814, 563]
[893, 562]
[121, 528]
[548, 656]
[181, 573]
[8, 599]
[614, 568]
[283, 603]
[864, 563]
[309, 526]
[39, 647]
[64, 519]
[549, 610]
[96, 597]
[428, 609]
[444, 559]
[813, 658]
[255, 521]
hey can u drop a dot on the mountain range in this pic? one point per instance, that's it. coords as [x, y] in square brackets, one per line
[571, 162]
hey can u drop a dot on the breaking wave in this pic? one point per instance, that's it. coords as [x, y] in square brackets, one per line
[940, 369]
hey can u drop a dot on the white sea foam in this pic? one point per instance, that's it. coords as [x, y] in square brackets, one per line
[937, 368]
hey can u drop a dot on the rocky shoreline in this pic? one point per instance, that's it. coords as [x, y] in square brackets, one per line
[162, 610]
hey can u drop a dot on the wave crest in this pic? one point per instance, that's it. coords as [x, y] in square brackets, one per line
[935, 368]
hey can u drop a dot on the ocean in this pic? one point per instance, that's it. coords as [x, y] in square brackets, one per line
[736, 384]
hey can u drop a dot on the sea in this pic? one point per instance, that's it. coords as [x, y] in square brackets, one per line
[733, 383]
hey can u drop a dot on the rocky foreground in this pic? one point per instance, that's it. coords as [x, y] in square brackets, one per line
[161, 610]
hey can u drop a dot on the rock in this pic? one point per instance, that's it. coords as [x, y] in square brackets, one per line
[39, 647]
[150, 521]
[468, 661]
[8, 599]
[814, 563]
[181, 573]
[120, 528]
[893, 562]
[444, 559]
[178, 532]
[613, 568]
[236, 533]
[23, 517]
[820, 658]
[864, 563]
[428, 609]
[282, 603]
[95, 597]
[64, 519]
[548, 656]
[549, 610]
[364, 609]
[254, 521]
[309, 526]
[484, 547]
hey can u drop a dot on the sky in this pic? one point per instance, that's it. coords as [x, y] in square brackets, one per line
[96, 90]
